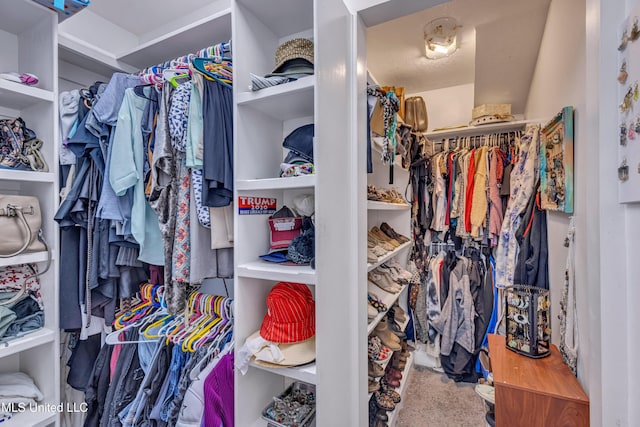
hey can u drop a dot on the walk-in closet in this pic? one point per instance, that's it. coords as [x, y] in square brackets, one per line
[383, 213]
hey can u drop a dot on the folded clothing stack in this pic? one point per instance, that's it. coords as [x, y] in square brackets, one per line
[17, 391]
[25, 314]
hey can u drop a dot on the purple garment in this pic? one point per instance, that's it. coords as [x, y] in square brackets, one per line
[218, 394]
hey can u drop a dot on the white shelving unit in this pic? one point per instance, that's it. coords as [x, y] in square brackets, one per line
[386, 257]
[262, 119]
[373, 205]
[25, 28]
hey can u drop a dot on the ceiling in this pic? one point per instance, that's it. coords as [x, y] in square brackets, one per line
[499, 44]
[143, 16]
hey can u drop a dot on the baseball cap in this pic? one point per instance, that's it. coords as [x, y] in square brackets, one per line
[300, 144]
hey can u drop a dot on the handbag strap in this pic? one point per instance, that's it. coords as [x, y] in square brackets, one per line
[35, 274]
[13, 210]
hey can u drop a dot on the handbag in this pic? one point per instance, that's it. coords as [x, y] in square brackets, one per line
[20, 221]
[416, 114]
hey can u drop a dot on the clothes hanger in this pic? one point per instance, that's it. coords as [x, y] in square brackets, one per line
[200, 65]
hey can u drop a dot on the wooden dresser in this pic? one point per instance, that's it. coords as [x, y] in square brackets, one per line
[535, 392]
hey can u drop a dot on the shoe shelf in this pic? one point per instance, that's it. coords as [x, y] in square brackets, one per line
[393, 417]
[388, 256]
[373, 205]
[18, 96]
[387, 298]
[26, 176]
[30, 340]
[283, 102]
[305, 181]
[277, 272]
[305, 373]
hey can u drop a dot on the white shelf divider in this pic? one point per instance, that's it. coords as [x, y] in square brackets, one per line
[25, 258]
[387, 298]
[304, 181]
[18, 96]
[304, 373]
[277, 272]
[284, 101]
[26, 176]
[200, 34]
[30, 340]
[389, 255]
[33, 418]
[373, 205]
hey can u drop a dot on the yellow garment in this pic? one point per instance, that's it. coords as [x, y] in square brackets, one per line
[479, 204]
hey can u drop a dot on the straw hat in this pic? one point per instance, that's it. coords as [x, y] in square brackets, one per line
[293, 49]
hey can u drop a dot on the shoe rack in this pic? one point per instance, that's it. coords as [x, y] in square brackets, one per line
[398, 216]
[261, 121]
[28, 34]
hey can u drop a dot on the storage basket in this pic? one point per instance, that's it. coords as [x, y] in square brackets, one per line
[503, 110]
[528, 320]
[298, 397]
[65, 8]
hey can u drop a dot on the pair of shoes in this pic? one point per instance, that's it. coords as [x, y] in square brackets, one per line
[395, 328]
[486, 392]
[374, 240]
[376, 302]
[383, 401]
[391, 378]
[383, 282]
[398, 361]
[398, 314]
[384, 237]
[378, 351]
[389, 231]
[375, 370]
[373, 385]
[403, 272]
[391, 273]
[384, 388]
[388, 338]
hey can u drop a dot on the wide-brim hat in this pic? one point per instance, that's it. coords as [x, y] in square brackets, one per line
[296, 354]
[299, 48]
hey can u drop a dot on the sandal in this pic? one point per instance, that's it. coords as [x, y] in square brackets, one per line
[383, 401]
[376, 302]
[377, 351]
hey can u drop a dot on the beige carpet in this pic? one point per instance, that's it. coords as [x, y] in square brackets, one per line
[433, 400]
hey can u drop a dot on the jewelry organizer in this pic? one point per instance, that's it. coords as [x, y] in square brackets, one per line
[528, 320]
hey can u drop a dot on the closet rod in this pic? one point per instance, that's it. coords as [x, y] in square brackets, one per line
[482, 130]
[223, 48]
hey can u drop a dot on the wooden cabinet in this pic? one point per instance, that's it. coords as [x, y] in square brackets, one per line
[535, 392]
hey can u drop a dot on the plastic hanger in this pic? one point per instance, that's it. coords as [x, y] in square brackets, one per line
[200, 65]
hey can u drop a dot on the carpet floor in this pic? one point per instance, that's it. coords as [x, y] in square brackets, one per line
[433, 400]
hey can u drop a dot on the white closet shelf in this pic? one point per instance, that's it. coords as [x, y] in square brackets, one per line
[20, 15]
[387, 298]
[393, 417]
[373, 205]
[304, 373]
[29, 341]
[200, 34]
[24, 259]
[282, 102]
[26, 176]
[305, 181]
[389, 255]
[18, 96]
[34, 419]
[78, 52]
[277, 272]
[479, 130]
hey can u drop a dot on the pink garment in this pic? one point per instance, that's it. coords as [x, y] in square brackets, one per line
[496, 169]
[117, 349]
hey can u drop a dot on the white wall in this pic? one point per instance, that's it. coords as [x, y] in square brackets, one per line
[450, 106]
[559, 80]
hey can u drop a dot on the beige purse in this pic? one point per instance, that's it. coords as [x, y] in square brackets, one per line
[20, 222]
[416, 114]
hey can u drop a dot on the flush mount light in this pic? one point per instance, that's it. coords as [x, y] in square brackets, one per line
[441, 37]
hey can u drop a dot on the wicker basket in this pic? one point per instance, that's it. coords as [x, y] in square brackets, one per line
[528, 320]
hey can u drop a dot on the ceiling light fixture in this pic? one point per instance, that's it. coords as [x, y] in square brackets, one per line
[441, 37]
